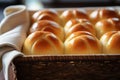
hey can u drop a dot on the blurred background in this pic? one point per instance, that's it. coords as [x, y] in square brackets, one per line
[38, 4]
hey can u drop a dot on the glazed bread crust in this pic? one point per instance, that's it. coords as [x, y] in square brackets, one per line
[111, 42]
[47, 14]
[72, 14]
[41, 42]
[82, 42]
[106, 25]
[103, 13]
[50, 26]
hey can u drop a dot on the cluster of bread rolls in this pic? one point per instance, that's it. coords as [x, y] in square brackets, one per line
[46, 34]
[73, 31]
[107, 26]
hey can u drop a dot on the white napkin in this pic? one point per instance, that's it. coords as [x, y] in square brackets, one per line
[13, 31]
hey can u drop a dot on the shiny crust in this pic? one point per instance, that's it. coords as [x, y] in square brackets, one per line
[75, 25]
[50, 26]
[72, 22]
[71, 14]
[106, 25]
[103, 13]
[47, 14]
[41, 42]
[82, 42]
[111, 42]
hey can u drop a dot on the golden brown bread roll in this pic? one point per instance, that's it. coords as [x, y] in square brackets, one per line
[103, 13]
[75, 25]
[111, 42]
[73, 13]
[82, 42]
[41, 42]
[50, 26]
[72, 22]
[103, 26]
[47, 14]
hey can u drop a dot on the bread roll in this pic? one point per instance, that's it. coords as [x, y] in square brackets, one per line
[82, 42]
[82, 25]
[72, 22]
[103, 13]
[41, 42]
[47, 14]
[73, 13]
[50, 26]
[103, 26]
[111, 42]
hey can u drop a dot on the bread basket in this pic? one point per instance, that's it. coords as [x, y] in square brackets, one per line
[66, 67]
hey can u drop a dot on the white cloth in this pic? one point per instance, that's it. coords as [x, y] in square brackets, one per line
[13, 31]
